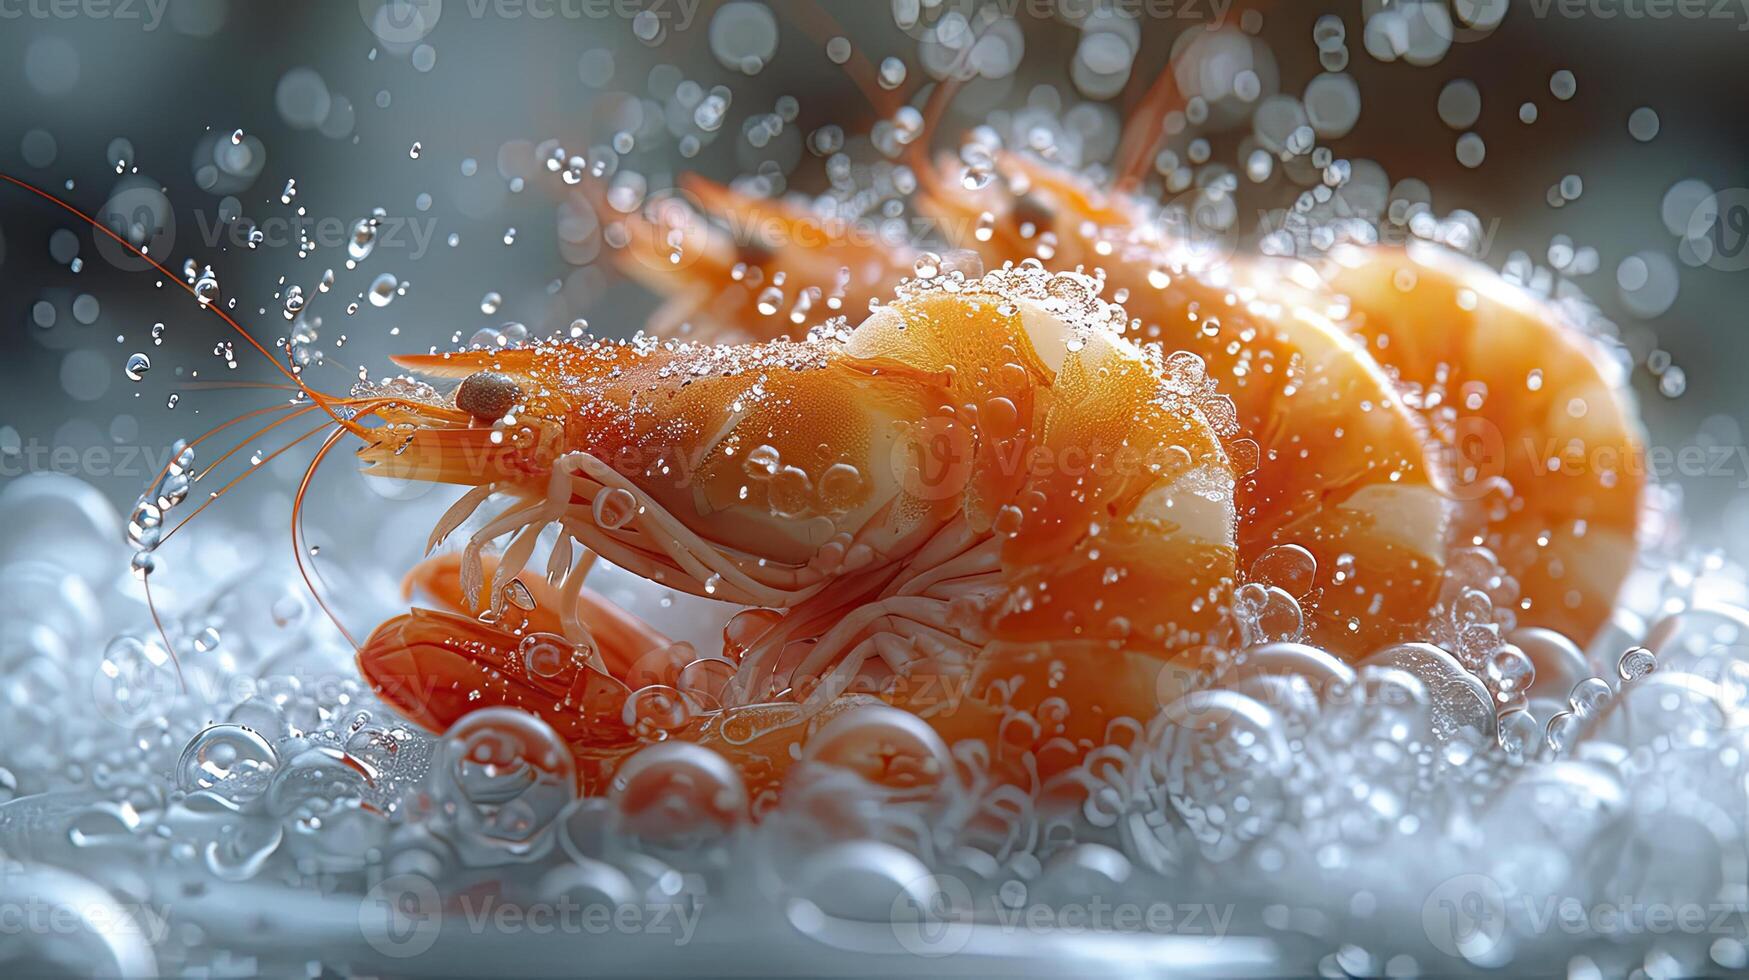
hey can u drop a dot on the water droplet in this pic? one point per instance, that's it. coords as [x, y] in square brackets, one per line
[518, 595]
[1643, 124]
[1562, 85]
[1460, 103]
[1510, 671]
[227, 757]
[1288, 567]
[892, 73]
[382, 289]
[1589, 695]
[137, 366]
[206, 288]
[1637, 662]
[1471, 150]
[1518, 732]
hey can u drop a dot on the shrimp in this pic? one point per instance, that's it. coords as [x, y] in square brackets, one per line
[980, 504]
[1548, 449]
[766, 269]
[1533, 444]
[1333, 459]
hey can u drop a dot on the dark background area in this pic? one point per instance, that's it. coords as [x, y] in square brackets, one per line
[505, 75]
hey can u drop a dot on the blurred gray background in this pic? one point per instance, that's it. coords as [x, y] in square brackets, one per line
[334, 95]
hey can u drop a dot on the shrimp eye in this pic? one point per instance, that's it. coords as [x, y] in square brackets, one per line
[487, 395]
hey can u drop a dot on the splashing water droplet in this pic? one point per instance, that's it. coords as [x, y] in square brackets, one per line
[1637, 662]
[382, 289]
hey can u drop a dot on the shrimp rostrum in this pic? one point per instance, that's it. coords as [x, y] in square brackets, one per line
[981, 501]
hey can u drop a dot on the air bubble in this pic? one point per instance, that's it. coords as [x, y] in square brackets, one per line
[1647, 283]
[1460, 103]
[1680, 204]
[892, 73]
[1562, 85]
[1332, 105]
[743, 36]
[1471, 151]
[1636, 663]
[1643, 124]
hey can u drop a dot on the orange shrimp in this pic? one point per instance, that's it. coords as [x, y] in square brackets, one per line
[1331, 458]
[982, 504]
[1549, 453]
[1333, 461]
[765, 269]
[1532, 442]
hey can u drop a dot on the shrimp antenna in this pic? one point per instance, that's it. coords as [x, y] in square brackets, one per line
[1142, 132]
[818, 22]
[1147, 120]
[322, 401]
[297, 529]
[314, 395]
[936, 106]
